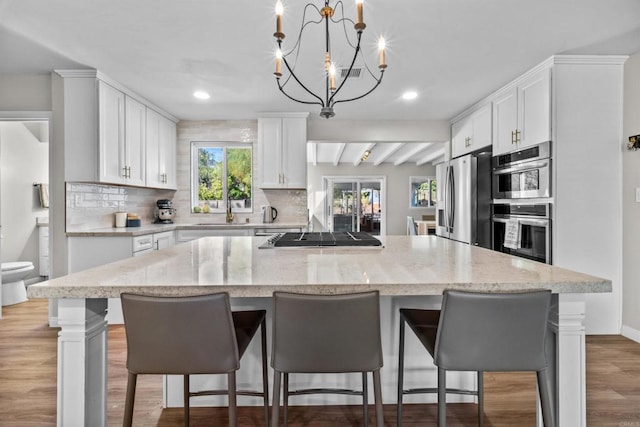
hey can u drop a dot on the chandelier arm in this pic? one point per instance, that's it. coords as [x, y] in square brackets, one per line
[302, 27]
[300, 83]
[378, 81]
[298, 100]
[353, 61]
[343, 20]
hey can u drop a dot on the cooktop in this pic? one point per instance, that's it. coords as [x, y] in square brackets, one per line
[320, 239]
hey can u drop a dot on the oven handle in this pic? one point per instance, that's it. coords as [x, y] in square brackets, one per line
[522, 167]
[525, 221]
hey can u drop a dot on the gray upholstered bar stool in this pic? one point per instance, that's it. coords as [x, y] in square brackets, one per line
[326, 334]
[481, 332]
[188, 336]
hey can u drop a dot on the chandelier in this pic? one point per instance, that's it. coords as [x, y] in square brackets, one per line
[290, 58]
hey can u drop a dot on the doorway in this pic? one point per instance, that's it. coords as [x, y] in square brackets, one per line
[24, 163]
[355, 204]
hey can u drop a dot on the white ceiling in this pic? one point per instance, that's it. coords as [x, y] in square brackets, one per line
[452, 52]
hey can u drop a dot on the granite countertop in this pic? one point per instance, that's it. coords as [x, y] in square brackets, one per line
[405, 265]
[151, 228]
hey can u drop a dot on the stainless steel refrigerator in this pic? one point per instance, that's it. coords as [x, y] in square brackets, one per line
[464, 199]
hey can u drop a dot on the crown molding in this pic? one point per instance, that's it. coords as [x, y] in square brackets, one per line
[86, 73]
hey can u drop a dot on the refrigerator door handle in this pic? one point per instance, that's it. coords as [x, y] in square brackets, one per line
[452, 183]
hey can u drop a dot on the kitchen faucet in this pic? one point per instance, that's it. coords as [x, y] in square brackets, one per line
[229, 217]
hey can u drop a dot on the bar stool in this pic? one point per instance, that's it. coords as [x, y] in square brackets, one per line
[190, 335]
[326, 334]
[481, 332]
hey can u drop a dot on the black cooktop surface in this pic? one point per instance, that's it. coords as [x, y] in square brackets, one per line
[321, 239]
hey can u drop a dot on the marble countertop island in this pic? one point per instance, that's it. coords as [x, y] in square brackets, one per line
[405, 265]
[420, 267]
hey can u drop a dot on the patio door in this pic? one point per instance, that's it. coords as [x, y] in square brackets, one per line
[355, 204]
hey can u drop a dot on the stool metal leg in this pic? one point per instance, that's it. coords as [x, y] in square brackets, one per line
[480, 398]
[548, 414]
[233, 404]
[400, 372]
[377, 392]
[365, 399]
[265, 372]
[131, 396]
[276, 399]
[442, 397]
[285, 397]
[186, 400]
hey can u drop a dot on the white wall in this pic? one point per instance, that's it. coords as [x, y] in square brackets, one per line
[25, 92]
[23, 160]
[398, 190]
[631, 208]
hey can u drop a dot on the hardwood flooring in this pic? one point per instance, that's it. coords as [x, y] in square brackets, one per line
[28, 387]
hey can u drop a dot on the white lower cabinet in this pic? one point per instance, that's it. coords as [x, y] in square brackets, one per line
[43, 251]
[188, 235]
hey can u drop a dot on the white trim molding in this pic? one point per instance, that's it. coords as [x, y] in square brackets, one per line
[632, 334]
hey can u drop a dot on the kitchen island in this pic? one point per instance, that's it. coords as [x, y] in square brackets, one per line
[406, 270]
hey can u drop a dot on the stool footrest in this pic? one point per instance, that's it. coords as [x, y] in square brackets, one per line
[224, 393]
[325, 391]
[435, 390]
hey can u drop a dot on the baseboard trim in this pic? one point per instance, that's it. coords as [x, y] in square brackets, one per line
[632, 334]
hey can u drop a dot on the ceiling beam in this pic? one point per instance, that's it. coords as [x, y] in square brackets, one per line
[392, 149]
[366, 149]
[430, 155]
[339, 152]
[412, 152]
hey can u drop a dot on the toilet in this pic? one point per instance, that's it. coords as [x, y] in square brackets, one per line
[13, 274]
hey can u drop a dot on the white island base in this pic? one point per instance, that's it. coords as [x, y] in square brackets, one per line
[82, 363]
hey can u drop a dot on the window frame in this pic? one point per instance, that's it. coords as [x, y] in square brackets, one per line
[419, 179]
[225, 145]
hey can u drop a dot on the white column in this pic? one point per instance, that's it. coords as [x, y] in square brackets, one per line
[569, 366]
[82, 362]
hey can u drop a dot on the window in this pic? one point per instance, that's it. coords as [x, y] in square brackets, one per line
[221, 173]
[423, 191]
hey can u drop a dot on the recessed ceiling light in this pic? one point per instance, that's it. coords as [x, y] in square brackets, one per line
[407, 96]
[201, 94]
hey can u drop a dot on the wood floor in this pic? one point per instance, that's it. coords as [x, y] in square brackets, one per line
[28, 386]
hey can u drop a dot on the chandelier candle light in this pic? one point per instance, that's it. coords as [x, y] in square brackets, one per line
[331, 91]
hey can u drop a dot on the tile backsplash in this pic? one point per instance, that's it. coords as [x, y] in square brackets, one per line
[92, 206]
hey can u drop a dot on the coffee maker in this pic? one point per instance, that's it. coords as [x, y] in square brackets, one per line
[164, 212]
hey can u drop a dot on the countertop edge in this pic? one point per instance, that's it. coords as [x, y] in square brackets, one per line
[263, 291]
[159, 228]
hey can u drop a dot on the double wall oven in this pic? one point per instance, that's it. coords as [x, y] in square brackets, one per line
[522, 208]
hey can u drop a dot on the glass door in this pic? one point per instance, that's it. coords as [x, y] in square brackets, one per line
[354, 205]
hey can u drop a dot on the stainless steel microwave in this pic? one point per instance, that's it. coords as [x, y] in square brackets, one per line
[523, 174]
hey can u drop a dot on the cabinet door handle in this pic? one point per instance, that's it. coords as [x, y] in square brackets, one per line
[513, 136]
[517, 136]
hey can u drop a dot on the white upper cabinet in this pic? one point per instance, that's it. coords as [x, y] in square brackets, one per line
[135, 141]
[282, 147]
[121, 137]
[161, 151]
[522, 114]
[112, 167]
[106, 134]
[471, 133]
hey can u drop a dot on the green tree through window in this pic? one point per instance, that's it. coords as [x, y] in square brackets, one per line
[222, 174]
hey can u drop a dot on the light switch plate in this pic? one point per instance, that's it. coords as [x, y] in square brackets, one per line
[637, 194]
